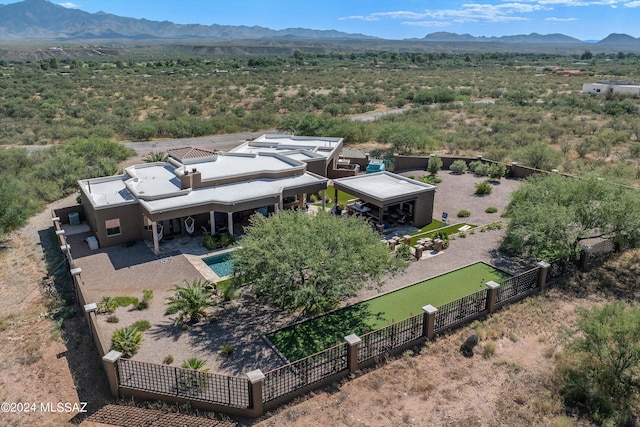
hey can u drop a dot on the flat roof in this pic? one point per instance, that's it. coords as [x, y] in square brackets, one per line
[152, 180]
[230, 194]
[276, 143]
[108, 191]
[237, 164]
[382, 186]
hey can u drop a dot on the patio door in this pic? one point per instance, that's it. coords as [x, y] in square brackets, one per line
[172, 227]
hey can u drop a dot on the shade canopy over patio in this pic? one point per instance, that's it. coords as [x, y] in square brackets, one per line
[411, 198]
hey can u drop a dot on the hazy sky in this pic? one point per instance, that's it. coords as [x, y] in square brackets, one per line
[392, 19]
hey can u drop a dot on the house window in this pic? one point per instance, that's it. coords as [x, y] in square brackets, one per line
[113, 227]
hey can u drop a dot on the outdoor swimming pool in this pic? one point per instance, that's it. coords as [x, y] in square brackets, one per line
[220, 264]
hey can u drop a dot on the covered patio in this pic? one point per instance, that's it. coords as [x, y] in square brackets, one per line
[389, 198]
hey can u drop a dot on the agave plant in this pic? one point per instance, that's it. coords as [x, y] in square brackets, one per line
[191, 301]
[126, 340]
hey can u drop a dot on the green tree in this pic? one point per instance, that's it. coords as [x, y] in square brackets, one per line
[539, 155]
[434, 165]
[310, 263]
[550, 215]
[191, 301]
[601, 368]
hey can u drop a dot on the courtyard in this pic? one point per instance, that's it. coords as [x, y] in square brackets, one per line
[241, 323]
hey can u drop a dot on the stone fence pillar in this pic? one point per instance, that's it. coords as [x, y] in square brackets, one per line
[256, 382]
[109, 362]
[542, 274]
[492, 295]
[429, 321]
[585, 256]
[353, 344]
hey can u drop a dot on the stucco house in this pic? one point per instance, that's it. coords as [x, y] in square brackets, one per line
[198, 190]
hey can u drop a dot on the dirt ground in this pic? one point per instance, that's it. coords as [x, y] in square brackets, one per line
[435, 385]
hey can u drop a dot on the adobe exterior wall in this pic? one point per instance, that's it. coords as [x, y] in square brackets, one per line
[423, 209]
[131, 224]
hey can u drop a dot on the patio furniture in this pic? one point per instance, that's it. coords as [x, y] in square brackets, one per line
[190, 225]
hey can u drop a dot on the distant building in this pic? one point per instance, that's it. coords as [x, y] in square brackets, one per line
[611, 87]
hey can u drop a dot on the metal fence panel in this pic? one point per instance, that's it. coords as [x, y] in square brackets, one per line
[517, 287]
[186, 383]
[458, 311]
[389, 337]
[561, 268]
[294, 376]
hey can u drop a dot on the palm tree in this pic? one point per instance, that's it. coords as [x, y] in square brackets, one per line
[126, 340]
[195, 364]
[156, 156]
[191, 301]
[192, 381]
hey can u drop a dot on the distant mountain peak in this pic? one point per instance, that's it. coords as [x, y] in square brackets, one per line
[443, 36]
[42, 19]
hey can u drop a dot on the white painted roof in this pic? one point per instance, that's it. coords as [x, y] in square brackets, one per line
[231, 194]
[282, 144]
[383, 185]
[107, 191]
[152, 180]
[237, 164]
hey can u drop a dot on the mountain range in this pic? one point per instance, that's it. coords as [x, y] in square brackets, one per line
[43, 20]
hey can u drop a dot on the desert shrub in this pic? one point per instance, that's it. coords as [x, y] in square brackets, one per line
[209, 242]
[147, 296]
[141, 325]
[458, 167]
[113, 319]
[227, 349]
[106, 305]
[126, 340]
[483, 188]
[168, 359]
[482, 169]
[497, 171]
[491, 209]
[489, 349]
[600, 368]
[124, 301]
[404, 252]
[218, 241]
[474, 165]
[464, 213]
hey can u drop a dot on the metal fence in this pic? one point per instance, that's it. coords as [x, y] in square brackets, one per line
[286, 380]
[185, 383]
[385, 339]
[294, 376]
[561, 268]
[456, 312]
[517, 287]
[601, 251]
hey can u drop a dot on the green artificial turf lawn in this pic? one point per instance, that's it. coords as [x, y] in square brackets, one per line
[312, 336]
[451, 229]
[342, 197]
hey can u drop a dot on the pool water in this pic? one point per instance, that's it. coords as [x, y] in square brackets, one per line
[220, 264]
